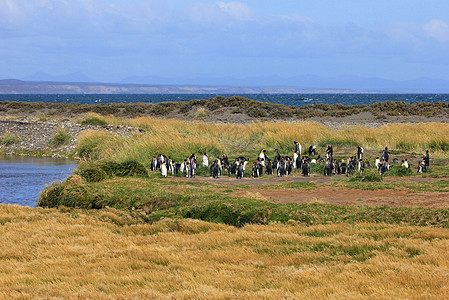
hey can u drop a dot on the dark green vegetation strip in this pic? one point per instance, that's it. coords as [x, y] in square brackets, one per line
[215, 204]
[238, 104]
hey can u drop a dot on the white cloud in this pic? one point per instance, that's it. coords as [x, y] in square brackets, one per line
[437, 29]
[238, 10]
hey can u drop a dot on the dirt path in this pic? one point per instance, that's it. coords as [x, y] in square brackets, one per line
[326, 192]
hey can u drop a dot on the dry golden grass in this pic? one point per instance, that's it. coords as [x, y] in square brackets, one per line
[102, 254]
[179, 138]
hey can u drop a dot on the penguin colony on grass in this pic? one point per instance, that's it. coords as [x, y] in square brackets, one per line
[281, 165]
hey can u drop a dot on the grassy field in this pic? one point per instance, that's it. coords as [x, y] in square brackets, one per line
[104, 254]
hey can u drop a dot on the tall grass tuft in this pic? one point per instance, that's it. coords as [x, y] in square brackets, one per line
[9, 139]
[61, 138]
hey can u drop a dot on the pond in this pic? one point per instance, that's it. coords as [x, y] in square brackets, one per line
[23, 178]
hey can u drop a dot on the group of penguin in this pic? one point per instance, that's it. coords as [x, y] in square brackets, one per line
[166, 164]
[279, 165]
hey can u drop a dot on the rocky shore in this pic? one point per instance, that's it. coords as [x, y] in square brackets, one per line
[34, 136]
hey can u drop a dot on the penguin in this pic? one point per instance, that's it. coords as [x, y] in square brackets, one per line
[288, 166]
[367, 164]
[240, 171]
[427, 159]
[275, 163]
[395, 160]
[215, 170]
[377, 163]
[260, 166]
[298, 147]
[298, 162]
[245, 162]
[312, 150]
[224, 162]
[295, 157]
[159, 162]
[350, 170]
[343, 167]
[255, 170]
[182, 168]
[262, 157]
[329, 151]
[361, 166]
[163, 170]
[233, 167]
[306, 168]
[153, 164]
[385, 156]
[205, 160]
[337, 168]
[281, 169]
[359, 153]
[174, 170]
[422, 167]
[328, 168]
[406, 164]
[269, 169]
[277, 155]
[384, 167]
[169, 164]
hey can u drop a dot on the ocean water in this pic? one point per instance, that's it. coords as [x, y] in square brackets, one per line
[296, 100]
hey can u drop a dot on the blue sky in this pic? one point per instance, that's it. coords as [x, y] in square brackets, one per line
[112, 40]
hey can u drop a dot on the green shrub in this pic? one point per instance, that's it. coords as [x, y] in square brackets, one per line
[61, 138]
[71, 195]
[317, 168]
[399, 171]
[92, 172]
[109, 167]
[131, 168]
[8, 139]
[94, 121]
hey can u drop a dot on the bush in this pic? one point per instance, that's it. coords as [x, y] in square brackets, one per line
[131, 168]
[8, 139]
[399, 171]
[109, 167]
[71, 195]
[94, 121]
[92, 172]
[61, 138]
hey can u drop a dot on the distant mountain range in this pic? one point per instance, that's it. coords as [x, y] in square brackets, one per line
[78, 83]
[14, 86]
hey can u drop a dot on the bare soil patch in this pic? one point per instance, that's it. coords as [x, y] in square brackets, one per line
[325, 192]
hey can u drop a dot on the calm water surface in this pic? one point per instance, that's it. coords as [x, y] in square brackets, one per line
[21, 179]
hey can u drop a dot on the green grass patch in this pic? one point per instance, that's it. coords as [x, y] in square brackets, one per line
[399, 171]
[94, 121]
[61, 138]
[303, 186]
[9, 139]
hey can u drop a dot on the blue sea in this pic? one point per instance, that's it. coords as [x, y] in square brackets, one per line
[296, 100]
